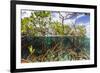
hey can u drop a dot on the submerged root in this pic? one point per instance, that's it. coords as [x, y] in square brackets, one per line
[77, 56]
[57, 54]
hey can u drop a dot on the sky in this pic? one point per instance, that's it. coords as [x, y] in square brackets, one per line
[80, 19]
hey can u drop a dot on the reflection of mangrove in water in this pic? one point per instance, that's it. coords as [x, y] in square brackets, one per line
[44, 49]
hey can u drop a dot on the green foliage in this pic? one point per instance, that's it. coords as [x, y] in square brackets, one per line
[27, 27]
[42, 14]
[81, 30]
[24, 23]
[40, 20]
[57, 27]
[31, 50]
[39, 23]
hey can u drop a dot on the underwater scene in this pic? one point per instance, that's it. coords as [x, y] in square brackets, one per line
[48, 36]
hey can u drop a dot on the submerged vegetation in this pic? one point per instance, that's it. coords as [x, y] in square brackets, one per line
[44, 39]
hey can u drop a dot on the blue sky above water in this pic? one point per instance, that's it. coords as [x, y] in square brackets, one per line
[84, 19]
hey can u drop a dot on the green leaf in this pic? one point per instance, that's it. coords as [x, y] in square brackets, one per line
[31, 50]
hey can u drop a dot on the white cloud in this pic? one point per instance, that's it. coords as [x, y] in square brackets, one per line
[25, 13]
[79, 16]
[72, 21]
[68, 21]
[56, 17]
